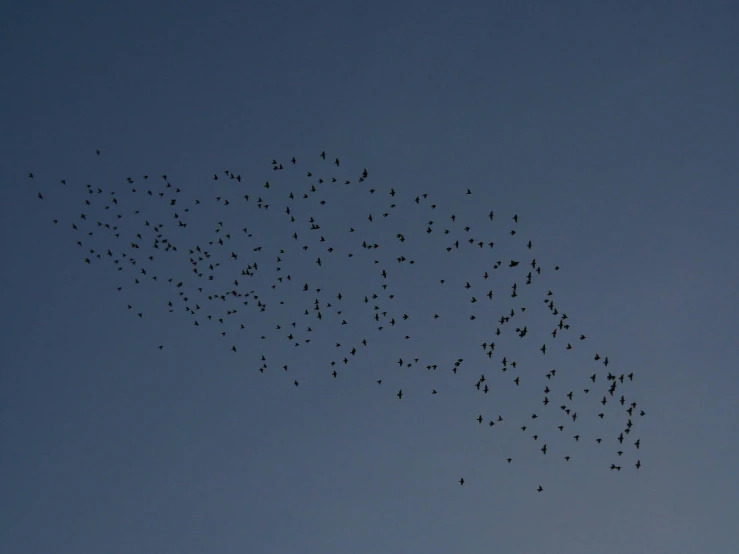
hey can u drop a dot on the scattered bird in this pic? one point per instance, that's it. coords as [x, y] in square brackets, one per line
[232, 280]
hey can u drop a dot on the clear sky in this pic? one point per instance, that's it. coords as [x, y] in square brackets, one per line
[610, 128]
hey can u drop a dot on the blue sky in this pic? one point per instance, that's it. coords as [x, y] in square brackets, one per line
[610, 128]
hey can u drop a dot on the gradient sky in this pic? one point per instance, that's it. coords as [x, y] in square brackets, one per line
[611, 128]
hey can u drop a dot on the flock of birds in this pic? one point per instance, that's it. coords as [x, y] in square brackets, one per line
[229, 287]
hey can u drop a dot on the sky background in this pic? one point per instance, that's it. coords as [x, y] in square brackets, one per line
[610, 128]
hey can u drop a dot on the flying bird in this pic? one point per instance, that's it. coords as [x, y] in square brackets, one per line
[253, 285]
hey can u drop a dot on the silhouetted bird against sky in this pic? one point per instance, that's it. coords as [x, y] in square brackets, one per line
[260, 282]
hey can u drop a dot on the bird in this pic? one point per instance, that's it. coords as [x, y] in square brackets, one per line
[235, 285]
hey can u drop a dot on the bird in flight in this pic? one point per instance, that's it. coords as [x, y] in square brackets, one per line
[236, 284]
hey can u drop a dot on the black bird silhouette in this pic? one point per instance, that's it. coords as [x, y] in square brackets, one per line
[206, 267]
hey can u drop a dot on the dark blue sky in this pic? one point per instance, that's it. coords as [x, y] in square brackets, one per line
[610, 128]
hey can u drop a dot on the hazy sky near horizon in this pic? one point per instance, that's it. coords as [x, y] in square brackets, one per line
[610, 128]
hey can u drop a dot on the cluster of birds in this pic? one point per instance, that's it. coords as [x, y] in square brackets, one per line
[301, 281]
